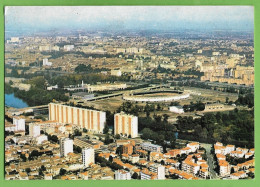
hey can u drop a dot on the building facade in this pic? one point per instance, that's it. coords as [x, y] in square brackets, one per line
[19, 124]
[152, 147]
[92, 120]
[34, 130]
[122, 175]
[66, 146]
[126, 125]
[88, 156]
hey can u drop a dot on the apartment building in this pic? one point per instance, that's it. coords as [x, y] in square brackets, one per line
[19, 123]
[152, 147]
[159, 170]
[128, 149]
[126, 125]
[34, 130]
[88, 156]
[92, 120]
[122, 175]
[66, 146]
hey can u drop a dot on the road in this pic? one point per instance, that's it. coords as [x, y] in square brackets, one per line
[213, 174]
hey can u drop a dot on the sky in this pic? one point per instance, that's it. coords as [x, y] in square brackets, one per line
[168, 18]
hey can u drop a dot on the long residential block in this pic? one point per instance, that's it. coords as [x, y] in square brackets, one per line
[92, 120]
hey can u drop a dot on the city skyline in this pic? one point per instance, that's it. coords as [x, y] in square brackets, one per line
[167, 18]
[129, 93]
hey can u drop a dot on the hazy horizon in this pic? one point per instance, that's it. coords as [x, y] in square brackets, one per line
[31, 19]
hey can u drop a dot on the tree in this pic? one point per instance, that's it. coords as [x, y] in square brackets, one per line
[28, 170]
[227, 99]
[110, 158]
[232, 170]
[106, 129]
[54, 138]
[173, 142]
[162, 162]
[22, 156]
[159, 107]
[135, 176]
[119, 150]
[34, 153]
[43, 168]
[63, 171]
[107, 139]
[251, 175]
[165, 117]
[117, 136]
[77, 133]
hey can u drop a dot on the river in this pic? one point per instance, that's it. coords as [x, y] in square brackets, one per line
[12, 101]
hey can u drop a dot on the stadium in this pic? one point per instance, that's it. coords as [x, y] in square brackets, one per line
[166, 95]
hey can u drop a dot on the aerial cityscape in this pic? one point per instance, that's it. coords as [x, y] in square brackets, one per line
[129, 93]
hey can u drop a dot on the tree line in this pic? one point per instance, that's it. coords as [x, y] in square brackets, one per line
[234, 127]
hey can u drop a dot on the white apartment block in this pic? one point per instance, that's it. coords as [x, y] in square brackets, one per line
[126, 125]
[45, 62]
[88, 156]
[92, 120]
[224, 168]
[40, 139]
[159, 170]
[190, 167]
[122, 175]
[19, 124]
[194, 146]
[152, 147]
[34, 130]
[66, 146]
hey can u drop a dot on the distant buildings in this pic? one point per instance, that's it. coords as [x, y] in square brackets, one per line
[235, 74]
[82, 95]
[66, 146]
[45, 62]
[126, 125]
[88, 156]
[106, 87]
[68, 47]
[15, 40]
[214, 106]
[130, 50]
[92, 120]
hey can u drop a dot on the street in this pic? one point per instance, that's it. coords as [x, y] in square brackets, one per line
[213, 174]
